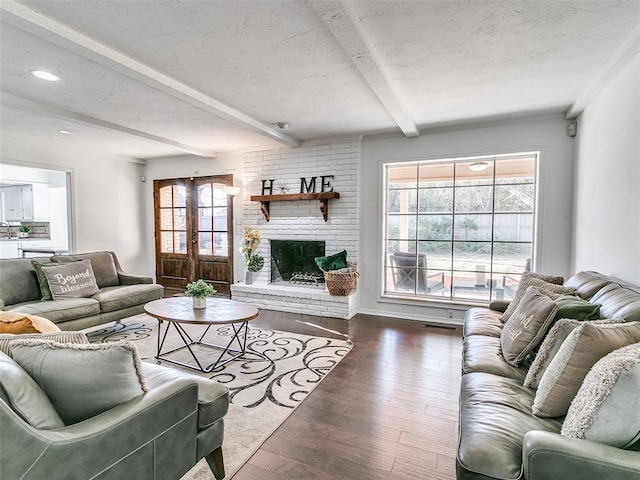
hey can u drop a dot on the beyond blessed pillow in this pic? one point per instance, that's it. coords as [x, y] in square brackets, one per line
[332, 262]
[77, 392]
[605, 409]
[71, 280]
[579, 352]
[549, 289]
[17, 322]
[527, 326]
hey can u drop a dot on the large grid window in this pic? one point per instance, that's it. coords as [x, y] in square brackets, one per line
[459, 229]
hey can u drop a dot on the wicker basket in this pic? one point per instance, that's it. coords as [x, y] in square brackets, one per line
[340, 284]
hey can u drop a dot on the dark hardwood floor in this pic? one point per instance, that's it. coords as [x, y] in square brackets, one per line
[389, 410]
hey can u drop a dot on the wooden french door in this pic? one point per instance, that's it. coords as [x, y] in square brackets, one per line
[194, 232]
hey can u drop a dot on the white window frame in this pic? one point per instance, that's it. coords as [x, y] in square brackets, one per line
[495, 291]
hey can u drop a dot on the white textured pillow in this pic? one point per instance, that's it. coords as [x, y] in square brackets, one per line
[71, 280]
[82, 381]
[579, 352]
[605, 410]
[552, 343]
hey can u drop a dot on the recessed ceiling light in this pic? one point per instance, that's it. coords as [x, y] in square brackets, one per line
[41, 74]
[67, 132]
[281, 125]
[478, 166]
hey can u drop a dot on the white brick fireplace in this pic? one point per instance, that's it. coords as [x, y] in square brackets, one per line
[301, 220]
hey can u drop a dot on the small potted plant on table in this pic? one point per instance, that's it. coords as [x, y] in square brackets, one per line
[199, 291]
[24, 231]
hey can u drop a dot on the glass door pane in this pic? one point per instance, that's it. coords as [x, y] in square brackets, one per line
[173, 219]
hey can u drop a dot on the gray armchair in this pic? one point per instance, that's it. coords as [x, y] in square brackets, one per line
[158, 435]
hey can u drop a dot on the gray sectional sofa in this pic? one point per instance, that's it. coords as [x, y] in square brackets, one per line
[500, 437]
[121, 295]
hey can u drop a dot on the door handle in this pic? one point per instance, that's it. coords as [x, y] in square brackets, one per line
[193, 238]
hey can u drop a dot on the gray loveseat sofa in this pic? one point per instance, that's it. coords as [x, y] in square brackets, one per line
[500, 437]
[121, 295]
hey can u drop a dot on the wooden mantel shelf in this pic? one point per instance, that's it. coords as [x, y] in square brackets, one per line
[323, 197]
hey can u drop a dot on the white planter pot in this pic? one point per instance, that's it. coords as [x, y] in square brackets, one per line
[199, 302]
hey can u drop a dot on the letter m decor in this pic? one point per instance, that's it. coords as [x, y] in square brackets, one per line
[308, 187]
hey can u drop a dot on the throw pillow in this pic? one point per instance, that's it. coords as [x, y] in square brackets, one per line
[571, 306]
[332, 262]
[528, 281]
[527, 326]
[71, 280]
[82, 381]
[550, 346]
[605, 408]
[45, 291]
[23, 395]
[16, 322]
[579, 352]
[555, 279]
[59, 336]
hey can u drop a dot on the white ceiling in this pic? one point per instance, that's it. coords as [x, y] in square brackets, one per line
[147, 79]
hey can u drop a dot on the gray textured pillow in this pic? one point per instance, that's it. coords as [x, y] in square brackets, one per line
[61, 337]
[605, 410]
[24, 396]
[551, 344]
[555, 279]
[82, 381]
[549, 289]
[579, 352]
[71, 280]
[527, 326]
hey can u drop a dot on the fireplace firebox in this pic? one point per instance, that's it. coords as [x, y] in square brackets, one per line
[292, 261]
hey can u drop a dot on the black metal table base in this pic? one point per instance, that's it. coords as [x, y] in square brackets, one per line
[239, 336]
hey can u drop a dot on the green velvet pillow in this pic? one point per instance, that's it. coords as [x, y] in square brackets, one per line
[570, 306]
[332, 262]
[45, 291]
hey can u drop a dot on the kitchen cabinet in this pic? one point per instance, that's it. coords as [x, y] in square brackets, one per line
[13, 248]
[18, 203]
[9, 249]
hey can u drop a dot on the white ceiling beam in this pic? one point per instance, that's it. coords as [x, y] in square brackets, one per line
[347, 28]
[30, 105]
[48, 29]
[626, 52]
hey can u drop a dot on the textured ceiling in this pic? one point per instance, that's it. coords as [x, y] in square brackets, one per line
[154, 78]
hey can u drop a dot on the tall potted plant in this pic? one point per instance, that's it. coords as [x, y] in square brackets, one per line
[249, 244]
[199, 291]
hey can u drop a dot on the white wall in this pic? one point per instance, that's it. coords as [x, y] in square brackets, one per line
[107, 198]
[607, 214]
[302, 220]
[545, 134]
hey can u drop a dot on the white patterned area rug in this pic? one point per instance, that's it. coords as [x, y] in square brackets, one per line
[278, 371]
